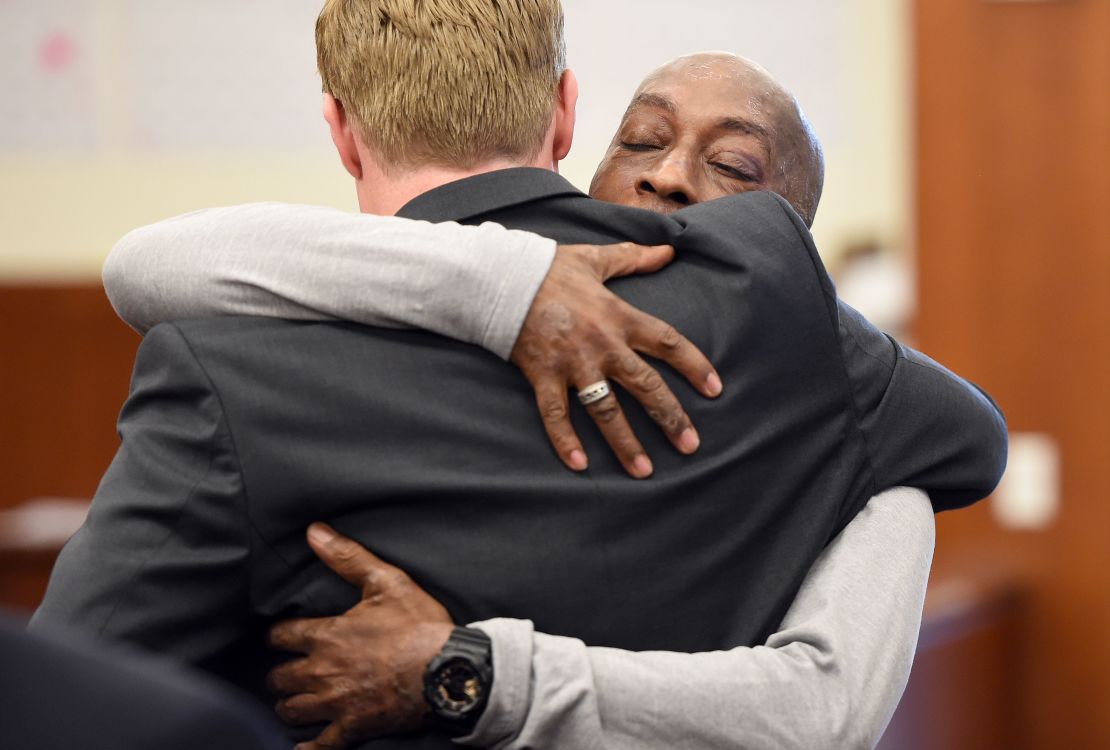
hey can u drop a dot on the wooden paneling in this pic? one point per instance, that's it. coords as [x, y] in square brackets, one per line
[65, 363]
[23, 578]
[965, 683]
[1013, 242]
[31, 536]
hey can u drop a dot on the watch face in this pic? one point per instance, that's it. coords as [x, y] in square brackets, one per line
[457, 687]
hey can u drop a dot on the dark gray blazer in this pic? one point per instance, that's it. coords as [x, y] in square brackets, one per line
[60, 692]
[241, 431]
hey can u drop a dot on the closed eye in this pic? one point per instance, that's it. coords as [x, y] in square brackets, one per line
[733, 172]
[640, 146]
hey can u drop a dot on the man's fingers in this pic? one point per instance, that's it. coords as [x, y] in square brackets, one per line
[332, 738]
[356, 564]
[610, 261]
[293, 635]
[618, 433]
[302, 709]
[648, 387]
[660, 340]
[551, 398]
[291, 678]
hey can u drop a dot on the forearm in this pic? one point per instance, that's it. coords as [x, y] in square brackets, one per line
[474, 284]
[831, 677]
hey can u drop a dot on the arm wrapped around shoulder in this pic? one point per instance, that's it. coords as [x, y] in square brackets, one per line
[925, 427]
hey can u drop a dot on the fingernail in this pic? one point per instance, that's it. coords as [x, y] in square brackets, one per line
[578, 460]
[713, 385]
[320, 534]
[689, 441]
[642, 465]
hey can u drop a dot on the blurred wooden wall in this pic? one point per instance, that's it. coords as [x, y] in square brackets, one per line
[1013, 243]
[65, 364]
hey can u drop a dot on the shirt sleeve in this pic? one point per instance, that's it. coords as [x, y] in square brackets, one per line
[831, 677]
[474, 284]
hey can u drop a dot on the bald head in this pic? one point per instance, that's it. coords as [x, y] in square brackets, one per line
[708, 125]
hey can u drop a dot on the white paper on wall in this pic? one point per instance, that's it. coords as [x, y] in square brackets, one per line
[240, 75]
[49, 56]
[223, 74]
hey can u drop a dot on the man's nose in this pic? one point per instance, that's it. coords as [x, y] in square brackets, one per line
[669, 178]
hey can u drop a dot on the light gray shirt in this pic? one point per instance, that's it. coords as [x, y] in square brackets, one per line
[831, 677]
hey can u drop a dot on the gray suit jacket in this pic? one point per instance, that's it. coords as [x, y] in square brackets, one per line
[241, 431]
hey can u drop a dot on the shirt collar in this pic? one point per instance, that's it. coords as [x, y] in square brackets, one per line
[486, 192]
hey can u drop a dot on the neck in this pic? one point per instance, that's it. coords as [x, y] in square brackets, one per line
[385, 195]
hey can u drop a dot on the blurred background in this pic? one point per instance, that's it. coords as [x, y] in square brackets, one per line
[965, 209]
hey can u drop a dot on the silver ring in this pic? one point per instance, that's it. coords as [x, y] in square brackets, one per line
[594, 392]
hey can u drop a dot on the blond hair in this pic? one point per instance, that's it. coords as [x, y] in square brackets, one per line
[447, 82]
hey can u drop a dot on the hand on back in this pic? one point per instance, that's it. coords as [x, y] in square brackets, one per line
[578, 333]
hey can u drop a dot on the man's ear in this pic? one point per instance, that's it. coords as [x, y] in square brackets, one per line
[343, 136]
[565, 110]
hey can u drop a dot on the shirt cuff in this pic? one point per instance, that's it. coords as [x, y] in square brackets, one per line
[521, 282]
[511, 696]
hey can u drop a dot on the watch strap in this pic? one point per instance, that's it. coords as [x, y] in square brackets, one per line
[475, 648]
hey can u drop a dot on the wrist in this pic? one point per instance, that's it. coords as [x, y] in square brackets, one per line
[458, 681]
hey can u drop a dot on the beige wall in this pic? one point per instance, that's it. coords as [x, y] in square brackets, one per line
[60, 213]
[869, 176]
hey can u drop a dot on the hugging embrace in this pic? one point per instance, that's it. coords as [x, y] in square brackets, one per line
[739, 567]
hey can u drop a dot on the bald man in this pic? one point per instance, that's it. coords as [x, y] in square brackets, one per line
[701, 127]
[708, 125]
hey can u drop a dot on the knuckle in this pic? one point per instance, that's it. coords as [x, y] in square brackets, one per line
[277, 636]
[327, 743]
[615, 361]
[286, 712]
[669, 338]
[396, 579]
[591, 254]
[605, 410]
[371, 581]
[649, 381]
[348, 731]
[317, 671]
[553, 410]
[629, 364]
[673, 421]
[344, 551]
[322, 635]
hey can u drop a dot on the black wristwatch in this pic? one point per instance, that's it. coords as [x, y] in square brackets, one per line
[458, 681]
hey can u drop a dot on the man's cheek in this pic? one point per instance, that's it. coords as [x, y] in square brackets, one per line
[619, 183]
